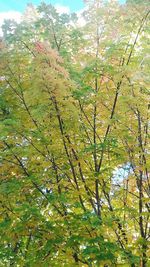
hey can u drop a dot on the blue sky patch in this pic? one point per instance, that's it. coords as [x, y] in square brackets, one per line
[19, 5]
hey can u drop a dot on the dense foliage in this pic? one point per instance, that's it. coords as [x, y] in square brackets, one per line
[74, 188]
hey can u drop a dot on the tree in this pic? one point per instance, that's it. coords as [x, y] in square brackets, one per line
[74, 114]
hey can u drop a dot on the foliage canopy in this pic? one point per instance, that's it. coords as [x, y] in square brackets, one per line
[74, 187]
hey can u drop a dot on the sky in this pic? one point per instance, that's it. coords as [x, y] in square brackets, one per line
[19, 5]
[13, 9]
